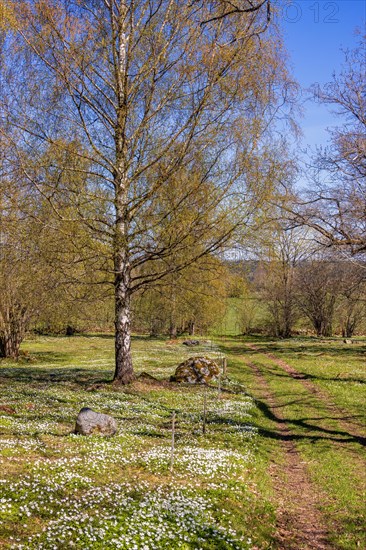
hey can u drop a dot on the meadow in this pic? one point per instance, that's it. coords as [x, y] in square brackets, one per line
[59, 490]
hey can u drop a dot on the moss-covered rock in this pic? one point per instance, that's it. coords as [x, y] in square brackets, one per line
[196, 370]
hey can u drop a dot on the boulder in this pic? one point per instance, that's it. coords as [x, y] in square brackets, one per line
[191, 343]
[196, 370]
[90, 422]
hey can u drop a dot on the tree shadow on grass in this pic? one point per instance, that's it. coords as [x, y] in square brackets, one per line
[311, 351]
[96, 336]
[307, 376]
[239, 351]
[301, 375]
[315, 433]
[55, 375]
[32, 359]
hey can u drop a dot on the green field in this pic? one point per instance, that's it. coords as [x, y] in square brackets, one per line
[59, 490]
[324, 407]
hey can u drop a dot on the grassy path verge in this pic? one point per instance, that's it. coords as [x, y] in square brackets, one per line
[331, 455]
[299, 521]
[336, 368]
[346, 419]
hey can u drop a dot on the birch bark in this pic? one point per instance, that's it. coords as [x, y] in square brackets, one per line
[122, 282]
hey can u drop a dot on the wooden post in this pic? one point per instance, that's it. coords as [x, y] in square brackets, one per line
[204, 411]
[173, 443]
[224, 367]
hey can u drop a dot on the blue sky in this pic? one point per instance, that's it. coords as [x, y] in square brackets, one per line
[315, 32]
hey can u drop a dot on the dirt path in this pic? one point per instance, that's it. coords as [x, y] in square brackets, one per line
[300, 524]
[345, 421]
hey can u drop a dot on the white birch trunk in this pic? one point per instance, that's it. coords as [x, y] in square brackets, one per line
[122, 284]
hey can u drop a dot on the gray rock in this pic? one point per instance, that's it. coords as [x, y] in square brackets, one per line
[90, 422]
[191, 343]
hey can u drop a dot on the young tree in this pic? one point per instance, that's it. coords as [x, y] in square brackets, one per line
[283, 250]
[317, 293]
[192, 299]
[351, 309]
[242, 296]
[18, 278]
[14, 308]
[15, 267]
[144, 89]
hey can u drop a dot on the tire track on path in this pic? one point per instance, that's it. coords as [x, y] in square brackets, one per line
[300, 524]
[352, 428]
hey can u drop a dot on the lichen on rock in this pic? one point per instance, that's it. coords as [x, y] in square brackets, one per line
[196, 370]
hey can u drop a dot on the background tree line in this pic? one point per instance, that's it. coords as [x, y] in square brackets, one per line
[291, 294]
[130, 132]
[140, 144]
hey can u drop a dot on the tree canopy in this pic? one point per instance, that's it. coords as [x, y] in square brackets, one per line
[108, 104]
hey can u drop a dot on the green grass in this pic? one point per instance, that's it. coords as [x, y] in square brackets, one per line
[59, 490]
[231, 324]
[332, 365]
[240, 313]
[333, 453]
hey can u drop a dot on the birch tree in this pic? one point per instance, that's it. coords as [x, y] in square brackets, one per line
[145, 89]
